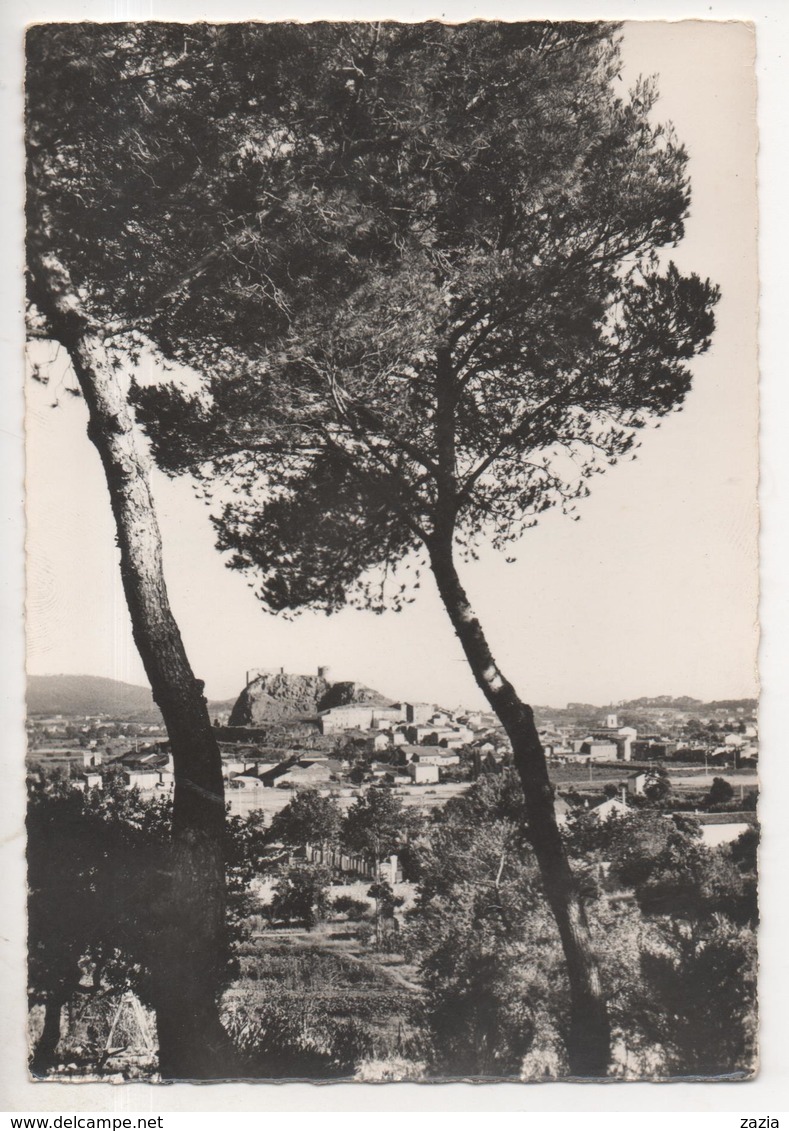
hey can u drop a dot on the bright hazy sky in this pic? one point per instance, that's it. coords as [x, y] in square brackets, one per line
[652, 592]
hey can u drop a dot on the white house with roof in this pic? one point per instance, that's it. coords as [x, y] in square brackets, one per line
[637, 783]
[613, 807]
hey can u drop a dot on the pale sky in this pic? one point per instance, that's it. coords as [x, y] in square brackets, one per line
[652, 592]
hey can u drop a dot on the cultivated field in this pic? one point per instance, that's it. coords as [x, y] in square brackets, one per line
[331, 994]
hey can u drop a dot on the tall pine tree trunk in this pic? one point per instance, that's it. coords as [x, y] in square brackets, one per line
[188, 955]
[589, 1036]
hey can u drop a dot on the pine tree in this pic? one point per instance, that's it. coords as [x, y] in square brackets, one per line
[422, 271]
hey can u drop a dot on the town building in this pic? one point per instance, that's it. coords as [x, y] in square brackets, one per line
[598, 751]
[417, 713]
[424, 773]
[350, 716]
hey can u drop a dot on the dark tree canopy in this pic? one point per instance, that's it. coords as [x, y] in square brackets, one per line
[720, 792]
[449, 308]
[674, 875]
[301, 894]
[676, 965]
[416, 263]
[99, 896]
[308, 819]
[377, 825]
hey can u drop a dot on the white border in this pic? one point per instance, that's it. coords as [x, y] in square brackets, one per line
[770, 1091]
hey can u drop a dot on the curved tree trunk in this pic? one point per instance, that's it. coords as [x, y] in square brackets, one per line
[188, 957]
[589, 1036]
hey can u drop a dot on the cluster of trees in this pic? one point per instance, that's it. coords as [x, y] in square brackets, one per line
[420, 271]
[376, 825]
[302, 895]
[99, 921]
[673, 922]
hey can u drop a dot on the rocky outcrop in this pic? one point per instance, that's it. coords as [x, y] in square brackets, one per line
[347, 692]
[276, 696]
[279, 696]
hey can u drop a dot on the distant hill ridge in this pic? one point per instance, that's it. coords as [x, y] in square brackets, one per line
[95, 695]
[274, 697]
[86, 695]
[686, 703]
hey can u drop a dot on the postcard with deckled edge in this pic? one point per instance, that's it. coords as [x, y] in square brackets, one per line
[448, 331]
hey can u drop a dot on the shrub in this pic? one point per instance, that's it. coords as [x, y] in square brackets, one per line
[354, 909]
[301, 895]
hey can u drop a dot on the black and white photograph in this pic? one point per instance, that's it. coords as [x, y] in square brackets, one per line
[392, 568]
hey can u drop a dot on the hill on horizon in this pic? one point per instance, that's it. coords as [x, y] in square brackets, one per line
[274, 699]
[95, 695]
[686, 703]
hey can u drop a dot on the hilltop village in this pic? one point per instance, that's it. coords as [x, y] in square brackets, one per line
[287, 731]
